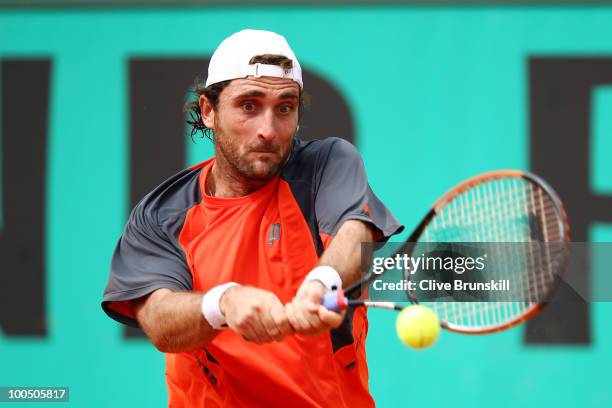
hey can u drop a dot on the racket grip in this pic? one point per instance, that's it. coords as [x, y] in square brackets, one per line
[335, 301]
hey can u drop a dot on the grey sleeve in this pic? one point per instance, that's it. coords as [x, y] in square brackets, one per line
[145, 259]
[343, 193]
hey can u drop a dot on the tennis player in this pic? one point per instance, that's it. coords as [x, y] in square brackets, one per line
[225, 263]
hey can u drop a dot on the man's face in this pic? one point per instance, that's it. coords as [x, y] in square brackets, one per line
[254, 124]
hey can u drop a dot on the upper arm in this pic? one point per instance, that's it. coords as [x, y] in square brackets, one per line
[343, 193]
[142, 306]
[145, 259]
[363, 229]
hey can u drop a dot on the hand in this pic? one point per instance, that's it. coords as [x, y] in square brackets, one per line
[306, 314]
[255, 314]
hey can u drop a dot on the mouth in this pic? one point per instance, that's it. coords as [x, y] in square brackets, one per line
[264, 152]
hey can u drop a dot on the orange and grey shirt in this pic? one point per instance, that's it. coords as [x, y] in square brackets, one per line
[179, 238]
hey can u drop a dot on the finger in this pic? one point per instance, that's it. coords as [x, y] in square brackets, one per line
[269, 323]
[261, 327]
[309, 302]
[281, 321]
[310, 290]
[298, 320]
[329, 318]
[291, 317]
[252, 329]
[248, 334]
[310, 313]
[315, 292]
[314, 321]
[313, 307]
[309, 320]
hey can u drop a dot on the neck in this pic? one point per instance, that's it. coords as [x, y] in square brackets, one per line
[222, 182]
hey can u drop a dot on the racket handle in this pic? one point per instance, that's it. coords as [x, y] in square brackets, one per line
[335, 301]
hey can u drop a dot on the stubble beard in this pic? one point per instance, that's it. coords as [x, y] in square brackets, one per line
[252, 170]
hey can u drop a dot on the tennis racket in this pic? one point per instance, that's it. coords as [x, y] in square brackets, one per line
[504, 206]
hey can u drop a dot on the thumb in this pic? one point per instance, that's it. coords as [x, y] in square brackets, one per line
[314, 296]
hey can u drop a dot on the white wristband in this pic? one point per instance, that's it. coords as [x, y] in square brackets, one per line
[328, 276]
[210, 306]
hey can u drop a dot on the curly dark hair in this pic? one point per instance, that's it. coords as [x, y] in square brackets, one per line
[212, 93]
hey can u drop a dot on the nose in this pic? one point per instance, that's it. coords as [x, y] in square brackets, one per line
[266, 125]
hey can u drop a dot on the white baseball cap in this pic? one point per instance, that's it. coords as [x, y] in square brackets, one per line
[232, 56]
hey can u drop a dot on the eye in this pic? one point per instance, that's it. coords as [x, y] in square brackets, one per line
[248, 107]
[284, 109]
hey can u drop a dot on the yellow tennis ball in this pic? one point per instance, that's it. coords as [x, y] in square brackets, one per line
[417, 326]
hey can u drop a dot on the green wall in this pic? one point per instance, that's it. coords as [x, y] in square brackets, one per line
[438, 94]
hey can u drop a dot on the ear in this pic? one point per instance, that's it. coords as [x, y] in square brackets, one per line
[207, 112]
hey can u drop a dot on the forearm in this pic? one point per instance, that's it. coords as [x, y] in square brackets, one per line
[344, 251]
[306, 314]
[173, 321]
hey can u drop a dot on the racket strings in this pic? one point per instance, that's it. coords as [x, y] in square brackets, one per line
[471, 212]
[505, 210]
